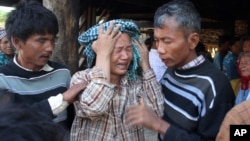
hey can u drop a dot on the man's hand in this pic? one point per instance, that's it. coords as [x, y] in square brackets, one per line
[140, 115]
[106, 40]
[104, 46]
[71, 94]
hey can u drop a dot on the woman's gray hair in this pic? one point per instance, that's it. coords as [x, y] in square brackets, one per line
[244, 54]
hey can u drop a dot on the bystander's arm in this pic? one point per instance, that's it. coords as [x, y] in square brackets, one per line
[60, 102]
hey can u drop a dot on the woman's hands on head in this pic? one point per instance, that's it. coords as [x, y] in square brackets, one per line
[144, 63]
[105, 42]
[104, 46]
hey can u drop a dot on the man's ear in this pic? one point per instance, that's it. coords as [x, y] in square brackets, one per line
[15, 42]
[193, 39]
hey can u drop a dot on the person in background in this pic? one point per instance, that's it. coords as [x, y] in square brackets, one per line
[201, 50]
[244, 47]
[150, 38]
[194, 89]
[31, 76]
[223, 48]
[154, 59]
[6, 51]
[118, 75]
[244, 70]
[230, 61]
[245, 43]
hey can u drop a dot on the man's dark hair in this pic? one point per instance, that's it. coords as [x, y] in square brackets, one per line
[21, 122]
[184, 13]
[30, 17]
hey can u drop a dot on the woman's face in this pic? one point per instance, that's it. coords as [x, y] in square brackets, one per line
[121, 56]
[5, 46]
[246, 46]
[244, 66]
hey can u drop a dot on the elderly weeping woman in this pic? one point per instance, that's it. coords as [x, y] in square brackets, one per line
[118, 76]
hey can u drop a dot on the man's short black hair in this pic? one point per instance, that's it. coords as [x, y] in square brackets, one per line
[28, 18]
[21, 122]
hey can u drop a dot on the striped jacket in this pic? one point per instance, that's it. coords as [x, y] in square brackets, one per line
[196, 101]
[36, 87]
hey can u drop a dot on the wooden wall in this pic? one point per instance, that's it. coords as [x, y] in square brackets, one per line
[76, 16]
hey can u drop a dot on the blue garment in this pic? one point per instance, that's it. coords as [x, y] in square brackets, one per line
[35, 87]
[3, 59]
[156, 64]
[242, 96]
[230, 66]
[218, 60]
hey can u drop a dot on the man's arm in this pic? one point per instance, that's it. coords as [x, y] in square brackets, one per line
[142, 115]
[60, 102]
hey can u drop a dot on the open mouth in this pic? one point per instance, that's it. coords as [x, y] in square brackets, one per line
[122, 66]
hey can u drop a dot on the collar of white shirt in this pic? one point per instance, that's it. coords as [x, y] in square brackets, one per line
[46, 67]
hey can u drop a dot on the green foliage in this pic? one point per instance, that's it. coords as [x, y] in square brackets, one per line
[2, 18]
[3, 15]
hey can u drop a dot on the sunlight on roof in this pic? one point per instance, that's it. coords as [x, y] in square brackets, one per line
[6, 9]
[3, 14]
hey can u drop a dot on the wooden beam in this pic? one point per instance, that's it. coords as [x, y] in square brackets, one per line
[104, 11]
[214, 25]
[140, 16]
[144, 24]
[143, 3]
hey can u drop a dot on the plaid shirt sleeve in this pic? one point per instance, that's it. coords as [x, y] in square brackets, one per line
[153, 91]
[95, 98]
[238, 115]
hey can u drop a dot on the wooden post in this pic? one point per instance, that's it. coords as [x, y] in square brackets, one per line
[66, 50]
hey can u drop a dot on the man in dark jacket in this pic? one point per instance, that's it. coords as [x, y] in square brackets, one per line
[197, 94]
